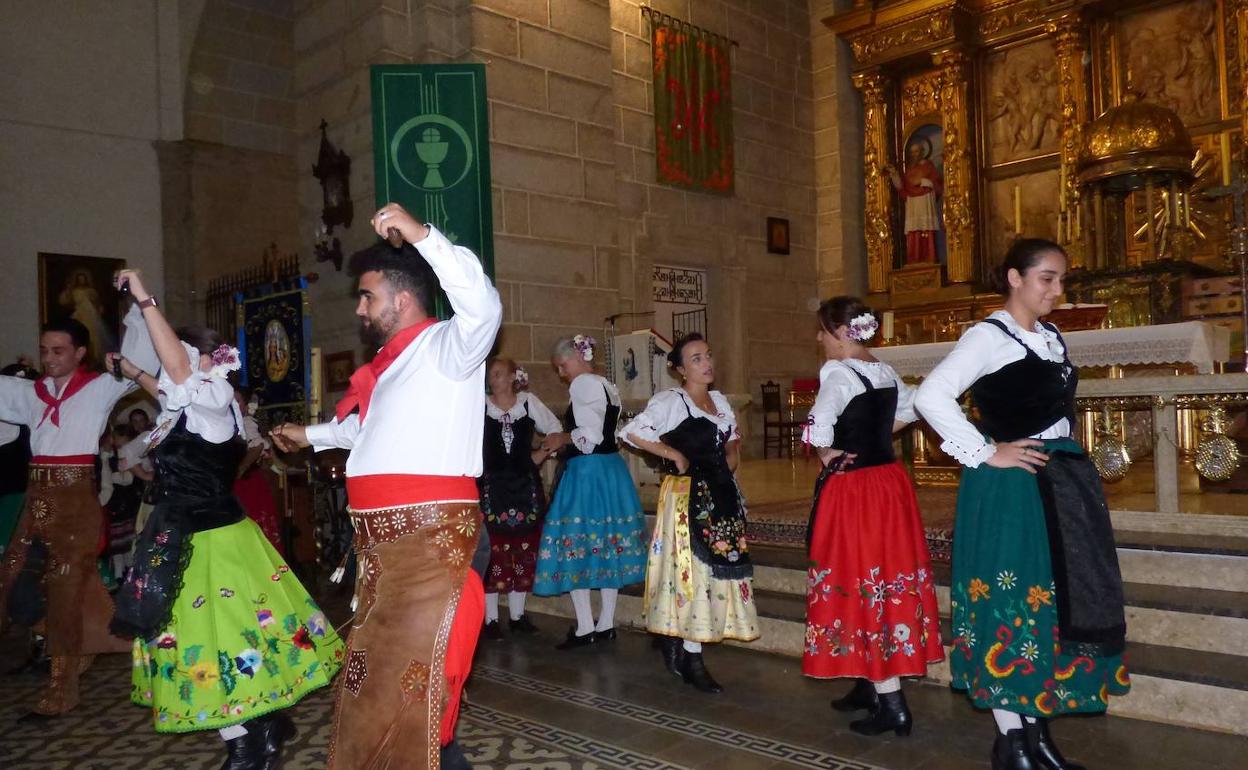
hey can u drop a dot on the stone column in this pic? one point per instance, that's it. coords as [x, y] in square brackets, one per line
[959, 205]
[1070, 38]
[879, 194]
[1166, 456]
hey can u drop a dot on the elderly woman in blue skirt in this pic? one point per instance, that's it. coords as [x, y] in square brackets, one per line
[594, 536]
[1037, 603]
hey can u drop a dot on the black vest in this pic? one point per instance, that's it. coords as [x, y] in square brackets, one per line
[608, 444]
[1027, 396]
[865, 427]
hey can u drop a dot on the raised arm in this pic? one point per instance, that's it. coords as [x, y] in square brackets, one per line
[173, 359]
[478, 310]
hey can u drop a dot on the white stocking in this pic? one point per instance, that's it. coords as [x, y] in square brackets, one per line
[515, 604]
[232, 732]
[892, 684]
[694, 647]
[606, 618]
[584, 611]
[491, 608]
[1006, 720]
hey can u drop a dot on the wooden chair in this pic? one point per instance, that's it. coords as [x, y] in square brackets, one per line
[779, 429]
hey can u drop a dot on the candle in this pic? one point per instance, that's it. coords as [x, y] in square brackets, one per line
[1061, 188]
[315, 375]
[888, 324]
[1225, 138]
[1018, 210]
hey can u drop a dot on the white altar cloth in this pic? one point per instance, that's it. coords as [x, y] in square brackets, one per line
[1191, 342]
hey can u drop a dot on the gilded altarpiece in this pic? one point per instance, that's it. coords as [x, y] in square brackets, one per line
[990, 98]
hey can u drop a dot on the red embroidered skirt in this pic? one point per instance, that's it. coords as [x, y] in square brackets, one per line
[871, 607]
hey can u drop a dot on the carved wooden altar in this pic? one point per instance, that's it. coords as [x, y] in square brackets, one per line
[1000, 93]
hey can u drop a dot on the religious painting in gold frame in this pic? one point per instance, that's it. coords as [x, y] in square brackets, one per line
[1021, 110]
[917, 178]
[1024, 204]
[81, 288]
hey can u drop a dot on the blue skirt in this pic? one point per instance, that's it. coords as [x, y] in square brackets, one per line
[595, 531]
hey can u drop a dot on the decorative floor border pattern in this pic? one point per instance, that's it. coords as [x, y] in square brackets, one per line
[804, 756]
[607, 754]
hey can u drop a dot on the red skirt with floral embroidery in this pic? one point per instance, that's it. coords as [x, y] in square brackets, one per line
[513, 562]
[871, 607]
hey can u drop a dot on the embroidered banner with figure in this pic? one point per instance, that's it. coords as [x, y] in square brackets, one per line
[692, 105]
[273, 333]
[431, 148]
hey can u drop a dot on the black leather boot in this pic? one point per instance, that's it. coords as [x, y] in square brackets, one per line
[862, 696]
[272, 730]
[892, 714]
[693, 671]
[1044, 749]
[246, 752]
[1011, 752]
[673, 651]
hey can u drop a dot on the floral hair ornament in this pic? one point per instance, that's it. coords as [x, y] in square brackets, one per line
[224, 360]
[520, 378]
[585, 346]
[862, 327]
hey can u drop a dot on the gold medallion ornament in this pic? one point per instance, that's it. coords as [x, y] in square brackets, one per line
[1217, 456]
[1109, 454]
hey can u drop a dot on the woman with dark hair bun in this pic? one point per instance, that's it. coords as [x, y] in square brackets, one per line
[871, 610]
[1038, 623]
[699, 579]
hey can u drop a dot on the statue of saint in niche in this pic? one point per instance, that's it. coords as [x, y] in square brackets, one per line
[920, 188]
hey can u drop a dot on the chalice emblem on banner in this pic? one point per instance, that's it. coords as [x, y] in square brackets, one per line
[441, 148]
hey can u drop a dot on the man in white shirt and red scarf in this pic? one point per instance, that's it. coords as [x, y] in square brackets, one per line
[413, 420]
[66, 412]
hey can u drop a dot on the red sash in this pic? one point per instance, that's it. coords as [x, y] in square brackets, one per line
[79, 380]
[360, 391]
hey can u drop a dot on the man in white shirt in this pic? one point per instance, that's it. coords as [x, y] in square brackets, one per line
[66, 412]
[413, 420]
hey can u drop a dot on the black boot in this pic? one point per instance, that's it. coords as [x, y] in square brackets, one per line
[693, 671]
[1011, 752]
[492, 631]
[862, 696]
[273, 730]
[892, 714]
[452, 757]
[1044, 749]
[673, 651]
[246, 752]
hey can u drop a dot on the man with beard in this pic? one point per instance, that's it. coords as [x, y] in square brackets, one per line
[413, 420]
[60, 524]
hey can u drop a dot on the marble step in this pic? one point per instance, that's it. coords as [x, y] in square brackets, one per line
[1185, 687]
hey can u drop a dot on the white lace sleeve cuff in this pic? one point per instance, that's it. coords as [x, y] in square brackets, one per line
[970, 457]
[818, 435]
[639, 427]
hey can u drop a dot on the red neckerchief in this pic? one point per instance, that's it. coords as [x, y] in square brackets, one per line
[77, 381]
[360, 392]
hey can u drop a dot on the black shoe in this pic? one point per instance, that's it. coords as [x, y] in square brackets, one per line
[246, 752]
[272, 730]
[34, 718]
[522, 625]
[1011, 752]
[862, 696]
[673, 651]
[892, 714]
[1044, 749]
[605, 636]
[573, 641]
[452, 757]
[693, 671]
[492, 631]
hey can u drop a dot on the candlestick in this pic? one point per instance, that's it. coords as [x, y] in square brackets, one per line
[888, 324]
[1018, 210]
[1061, 188]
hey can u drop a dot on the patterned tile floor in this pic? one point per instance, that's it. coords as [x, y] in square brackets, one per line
[610, 708]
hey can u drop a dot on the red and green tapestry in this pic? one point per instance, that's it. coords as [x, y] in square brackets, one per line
[692, 106]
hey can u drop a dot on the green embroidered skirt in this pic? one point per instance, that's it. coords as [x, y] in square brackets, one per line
[245, 638]
[1005, 652]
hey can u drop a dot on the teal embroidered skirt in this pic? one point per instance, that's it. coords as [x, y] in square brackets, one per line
[1005, 652]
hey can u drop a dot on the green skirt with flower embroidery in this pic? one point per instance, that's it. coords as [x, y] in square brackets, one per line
[245, 639]
[1005, 648]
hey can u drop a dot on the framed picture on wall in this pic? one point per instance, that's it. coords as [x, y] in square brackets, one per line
[81, 287]
[777, 235]
[338, 369]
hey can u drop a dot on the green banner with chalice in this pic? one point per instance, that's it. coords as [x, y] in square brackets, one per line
[431, 149]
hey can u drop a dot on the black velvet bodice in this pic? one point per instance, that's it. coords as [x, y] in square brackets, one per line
[497, 458]
[1025, 397]
[865, 427]
[608, 444]
[190, 467]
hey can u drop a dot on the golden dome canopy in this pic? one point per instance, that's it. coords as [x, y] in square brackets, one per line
[1134, 139]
